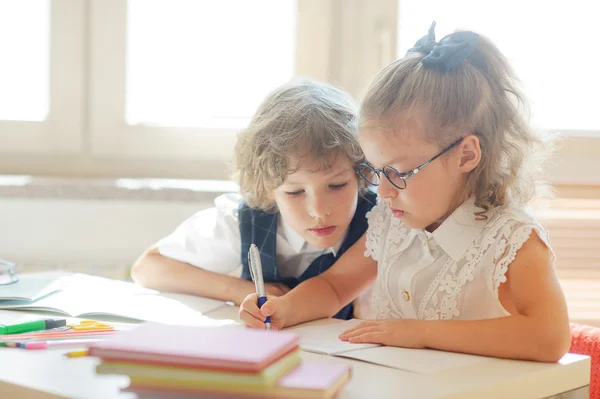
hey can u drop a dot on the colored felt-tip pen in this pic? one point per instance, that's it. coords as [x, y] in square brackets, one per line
[29, 326]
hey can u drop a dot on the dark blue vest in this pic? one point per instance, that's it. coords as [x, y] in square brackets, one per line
[260, 228]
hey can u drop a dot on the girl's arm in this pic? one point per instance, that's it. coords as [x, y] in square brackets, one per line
[537, 329]
[318, 297]
[158, 272]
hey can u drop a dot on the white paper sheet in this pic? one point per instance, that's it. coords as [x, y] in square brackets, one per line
[422, 361]
[322, 336]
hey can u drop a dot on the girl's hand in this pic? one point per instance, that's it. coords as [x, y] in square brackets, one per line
[253, 317]
[389, 332]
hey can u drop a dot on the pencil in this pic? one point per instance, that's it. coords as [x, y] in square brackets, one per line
[77, 353]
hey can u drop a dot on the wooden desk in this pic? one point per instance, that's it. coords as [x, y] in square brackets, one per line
[49, 374]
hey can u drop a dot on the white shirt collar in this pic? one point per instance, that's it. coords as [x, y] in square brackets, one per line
[335, 249]
[456, 234]
[299, 244]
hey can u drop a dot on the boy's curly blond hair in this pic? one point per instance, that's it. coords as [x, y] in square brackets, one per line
[302, 124]
[483, 100]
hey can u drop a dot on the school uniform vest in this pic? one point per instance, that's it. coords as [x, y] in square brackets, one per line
[260, 228]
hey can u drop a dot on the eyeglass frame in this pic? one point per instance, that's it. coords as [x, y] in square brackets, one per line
[402, 175]
[7, 273]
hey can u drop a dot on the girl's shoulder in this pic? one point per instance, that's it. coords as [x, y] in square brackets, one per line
[380, 218]
[509, 228]
[512, 225]
[378, 212]
[512, 215]
[381, 223]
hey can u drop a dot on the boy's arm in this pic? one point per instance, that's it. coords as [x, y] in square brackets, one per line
[324, 295]
[155, 271]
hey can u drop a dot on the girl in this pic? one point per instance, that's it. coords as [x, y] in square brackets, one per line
[459, 264]
[302, 202]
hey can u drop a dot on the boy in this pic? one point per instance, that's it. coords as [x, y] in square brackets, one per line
[301, 203]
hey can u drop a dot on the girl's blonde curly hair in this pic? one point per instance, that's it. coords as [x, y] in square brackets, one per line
[302, 124]
[481, 97]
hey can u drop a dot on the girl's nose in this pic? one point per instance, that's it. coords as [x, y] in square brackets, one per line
[386, 189]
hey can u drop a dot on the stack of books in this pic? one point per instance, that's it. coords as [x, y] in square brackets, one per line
[166, 361]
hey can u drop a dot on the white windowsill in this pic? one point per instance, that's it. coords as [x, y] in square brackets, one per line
[184, 190]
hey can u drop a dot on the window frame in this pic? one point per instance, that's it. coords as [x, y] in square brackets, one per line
[110, 135]
[62, 131]
[574, 160]
[345, 43]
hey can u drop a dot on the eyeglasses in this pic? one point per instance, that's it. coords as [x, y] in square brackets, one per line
[398, 179]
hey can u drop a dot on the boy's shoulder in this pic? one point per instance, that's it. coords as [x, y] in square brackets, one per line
[255, 212]
[367, 203]
[249, 216]
[228, 200]
[225, 206]
[369, 198]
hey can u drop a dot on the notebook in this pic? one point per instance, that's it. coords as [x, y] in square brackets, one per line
[191, 378]
[228, 349]
[420, 361]
[85, 296]
[322, 336]
[309, 380]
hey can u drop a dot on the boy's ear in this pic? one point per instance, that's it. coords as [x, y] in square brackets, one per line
[470, 153]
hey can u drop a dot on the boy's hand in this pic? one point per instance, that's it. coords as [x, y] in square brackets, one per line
[388, 332]
[253, 317]
[276, 289]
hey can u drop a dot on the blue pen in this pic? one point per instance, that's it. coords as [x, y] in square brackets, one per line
[256, 272]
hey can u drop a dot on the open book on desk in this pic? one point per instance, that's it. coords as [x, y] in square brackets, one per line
[322, 336]
[87, 296]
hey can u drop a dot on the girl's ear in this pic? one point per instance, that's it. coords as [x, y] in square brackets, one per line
[470, 153]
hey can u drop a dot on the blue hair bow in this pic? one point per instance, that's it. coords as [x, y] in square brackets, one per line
[449, 52]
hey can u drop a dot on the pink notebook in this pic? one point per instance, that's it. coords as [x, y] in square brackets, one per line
[315, 376]
[233, 349]
[309, 380]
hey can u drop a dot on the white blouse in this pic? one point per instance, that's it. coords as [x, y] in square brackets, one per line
[452, 273]
[210, 239]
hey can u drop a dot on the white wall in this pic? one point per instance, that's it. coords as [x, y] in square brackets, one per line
[102, 237]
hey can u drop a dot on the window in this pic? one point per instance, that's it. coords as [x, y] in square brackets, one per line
[160, 88]
[24, 71]
[550, 46]
[551, 52]
[41, 75]
[210, 63]
[179, 79]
